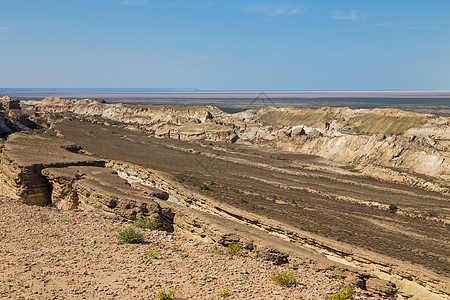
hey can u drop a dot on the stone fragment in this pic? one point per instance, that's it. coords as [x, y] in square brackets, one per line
[272, 254]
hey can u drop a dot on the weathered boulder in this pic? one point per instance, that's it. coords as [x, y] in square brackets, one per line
[9, 104]
[273, 255]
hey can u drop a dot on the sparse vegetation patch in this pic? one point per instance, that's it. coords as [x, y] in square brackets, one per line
[234, 249]
[283, 278]
[130, 236]
[343, 296]
[152, 253]
[162, 295]
[145, 223]
[224, 293]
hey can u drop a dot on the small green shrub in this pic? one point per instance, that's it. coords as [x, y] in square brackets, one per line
[393, 208]
[348, 291]
[224, 293]
[234, 248]
[283, 278]
[130, 236]
[145, 223]
[152, 253]
[162, 295]
[337, 296]
[343, 296]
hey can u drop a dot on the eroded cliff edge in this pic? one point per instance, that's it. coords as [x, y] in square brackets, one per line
[390, 144]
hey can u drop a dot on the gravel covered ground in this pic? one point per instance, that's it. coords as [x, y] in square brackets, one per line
[46, 253]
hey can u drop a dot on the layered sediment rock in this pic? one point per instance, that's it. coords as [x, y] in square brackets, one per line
[198, 216]
[127, 114]
[49, 174]
[100, 189]
[23, 157]
[391, 138]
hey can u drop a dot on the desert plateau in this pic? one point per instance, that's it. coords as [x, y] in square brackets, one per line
[345, 202]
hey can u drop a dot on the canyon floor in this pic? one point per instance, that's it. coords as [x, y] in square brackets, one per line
[303, 191]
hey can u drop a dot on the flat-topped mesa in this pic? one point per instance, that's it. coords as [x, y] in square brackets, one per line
[24, 156]
[49, 174]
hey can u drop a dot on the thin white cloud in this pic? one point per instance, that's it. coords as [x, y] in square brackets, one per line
[352, 15]
[66, 49]
[4, 28]
[276, 10]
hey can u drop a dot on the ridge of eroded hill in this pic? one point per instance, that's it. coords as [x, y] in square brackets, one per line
[405, 142]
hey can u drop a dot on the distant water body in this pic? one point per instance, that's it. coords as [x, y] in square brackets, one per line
[436, 102]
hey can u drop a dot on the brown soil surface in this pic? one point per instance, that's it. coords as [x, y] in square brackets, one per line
[47, 253]
[307, 192]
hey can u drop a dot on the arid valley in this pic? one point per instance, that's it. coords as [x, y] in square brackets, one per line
[341, 197]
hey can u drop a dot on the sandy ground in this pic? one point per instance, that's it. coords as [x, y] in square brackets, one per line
[46, 253]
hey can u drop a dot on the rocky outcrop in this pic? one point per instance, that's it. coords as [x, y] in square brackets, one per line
[145, 116]
[12, 119]
[10, 104]
[390, 138]
[196, 216]
[199, 216]
[49, 174]
[20, 175]
[206, 131]
[23, 182]
[379, 287]
[100, 189]
[63, 194]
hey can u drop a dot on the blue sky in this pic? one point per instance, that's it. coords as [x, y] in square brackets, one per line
[226, 44]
